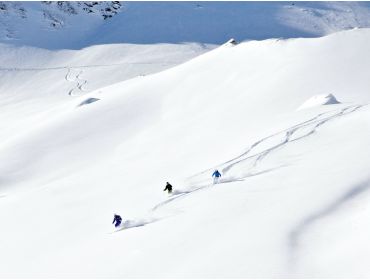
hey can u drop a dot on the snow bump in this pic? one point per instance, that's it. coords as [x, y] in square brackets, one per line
[318, 100]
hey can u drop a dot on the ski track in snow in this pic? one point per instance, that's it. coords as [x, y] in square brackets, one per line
[285, 137]
[176, 194]
[135, 223]
[76, 79]
[67, 75]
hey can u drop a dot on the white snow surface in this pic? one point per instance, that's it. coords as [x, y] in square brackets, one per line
[34, 80]
[294, 198]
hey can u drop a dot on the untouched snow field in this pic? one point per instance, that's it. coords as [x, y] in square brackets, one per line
[294, 197]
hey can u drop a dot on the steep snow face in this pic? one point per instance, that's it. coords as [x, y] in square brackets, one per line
[294, 189]
[61, 24]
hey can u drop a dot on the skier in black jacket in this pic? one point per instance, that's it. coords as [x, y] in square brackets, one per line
[168, 188]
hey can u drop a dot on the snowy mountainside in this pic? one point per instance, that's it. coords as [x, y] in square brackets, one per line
[61, 24]
[293, 200]
[51, 24]
[34, 80]
[216, 22]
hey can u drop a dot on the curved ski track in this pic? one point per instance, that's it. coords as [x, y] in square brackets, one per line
[76, 79]
[284, 137]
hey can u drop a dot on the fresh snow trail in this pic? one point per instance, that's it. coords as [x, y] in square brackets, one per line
[177, 194]
[67, 75]
[285, 137]
[127, 224]
[82, 82]
[292, 131]
[79, 83]
[313, 123]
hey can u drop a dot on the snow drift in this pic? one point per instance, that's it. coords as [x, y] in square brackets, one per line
[317, 100]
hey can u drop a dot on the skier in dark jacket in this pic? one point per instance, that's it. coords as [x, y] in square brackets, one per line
[117, 219]
[168, 188]
[216, 176]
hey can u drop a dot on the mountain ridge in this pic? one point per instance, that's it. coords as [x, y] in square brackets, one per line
[75, 25]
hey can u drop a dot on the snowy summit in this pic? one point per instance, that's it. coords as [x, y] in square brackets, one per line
[184, 139]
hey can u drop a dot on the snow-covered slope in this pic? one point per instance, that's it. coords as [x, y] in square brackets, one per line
[35, 80]
[293, 200]
[59, 25]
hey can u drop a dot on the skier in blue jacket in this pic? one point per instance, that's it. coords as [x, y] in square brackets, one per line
[216, 176]
[117, 219]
